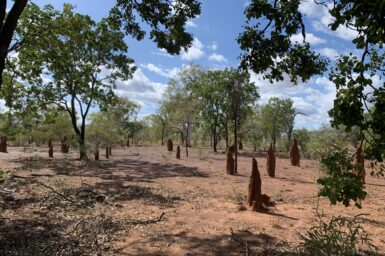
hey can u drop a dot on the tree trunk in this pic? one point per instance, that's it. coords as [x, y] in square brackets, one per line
[163, 135]
[227, 135]
[8, 28]
[215, 139]
[235, 148]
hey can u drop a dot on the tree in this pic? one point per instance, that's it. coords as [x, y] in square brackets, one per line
[166, 20]
[209, 90]
[84, 59]
[180, 103]
[241, 95]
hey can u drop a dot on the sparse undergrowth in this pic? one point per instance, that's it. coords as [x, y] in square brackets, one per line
[339, 236]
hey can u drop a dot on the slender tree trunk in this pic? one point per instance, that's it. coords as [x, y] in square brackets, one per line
[227, 135]
[8, 25]
[274, 141]
[82, 145]
[215, 139]
[235, 148]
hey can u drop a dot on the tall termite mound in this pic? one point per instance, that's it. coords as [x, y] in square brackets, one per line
[3, 144]
[360, 162]
[64, 145]
[229, 161]
[178, 152]
[270, 162]
[294, 154]
[170, 145]
[107, 152]
[256, 199]
[50, 149]
[255, 187]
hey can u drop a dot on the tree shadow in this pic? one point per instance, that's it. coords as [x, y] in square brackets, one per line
[122, 169]
[230, 244]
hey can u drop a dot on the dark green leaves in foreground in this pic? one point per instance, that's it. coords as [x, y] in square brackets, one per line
[267, 45]
[166, 20]
[340, 182]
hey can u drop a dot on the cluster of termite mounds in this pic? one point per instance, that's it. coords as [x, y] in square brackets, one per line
[294, 154]
[3, 144]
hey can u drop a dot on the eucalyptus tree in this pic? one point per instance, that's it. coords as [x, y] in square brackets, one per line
[164, 19]
[80, 61]
[181, 105]
[240, 95]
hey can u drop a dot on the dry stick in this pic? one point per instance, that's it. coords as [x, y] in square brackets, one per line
[240, 241]
[58, 193]
[145, 222]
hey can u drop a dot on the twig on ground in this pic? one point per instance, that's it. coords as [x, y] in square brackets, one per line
[146, 222]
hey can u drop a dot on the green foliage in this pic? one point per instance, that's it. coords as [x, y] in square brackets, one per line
[267, 46]
[166, 20]
[339, 236]
[341, 182]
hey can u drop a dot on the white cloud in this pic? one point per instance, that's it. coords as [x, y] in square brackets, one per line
[328, 52]
[213, 46]
[310, 38]
[169, 73]
[191, 24]
[195, 52]
[217, 58]
[314, 98]
[142, 90]
[162, 52]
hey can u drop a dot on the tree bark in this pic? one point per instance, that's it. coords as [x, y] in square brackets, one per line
[8, 28]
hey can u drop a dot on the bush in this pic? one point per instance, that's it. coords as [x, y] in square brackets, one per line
[339, 236]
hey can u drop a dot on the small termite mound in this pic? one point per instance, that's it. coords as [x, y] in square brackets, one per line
[240, 145]
[3, 144]
[170, 145]
[270, 162]
[229, 162]
[294, 154]
[50, 149]
[178, 152]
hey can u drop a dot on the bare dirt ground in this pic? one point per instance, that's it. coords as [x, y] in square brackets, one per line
[143, 201]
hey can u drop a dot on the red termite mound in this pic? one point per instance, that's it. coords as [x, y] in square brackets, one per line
[50, 150]
[64, 145]
[270, 162]
[107, 153]
[170, 145]
[255, 187]
[3, 144]
[229, 162]
[178, 152]
[294, 154]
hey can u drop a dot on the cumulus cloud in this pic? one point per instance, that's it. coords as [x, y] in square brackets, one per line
[195, 52]
[328, 52]
[321, 19]
[314, 98]
[142, 90]
[191, 24]
[213, 46]
[310, 38]
[169, 73]
[217, 58]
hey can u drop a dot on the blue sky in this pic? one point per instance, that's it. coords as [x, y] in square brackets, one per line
[215, 32]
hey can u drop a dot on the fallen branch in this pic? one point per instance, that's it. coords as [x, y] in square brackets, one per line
[58, 193]
[146, 222]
